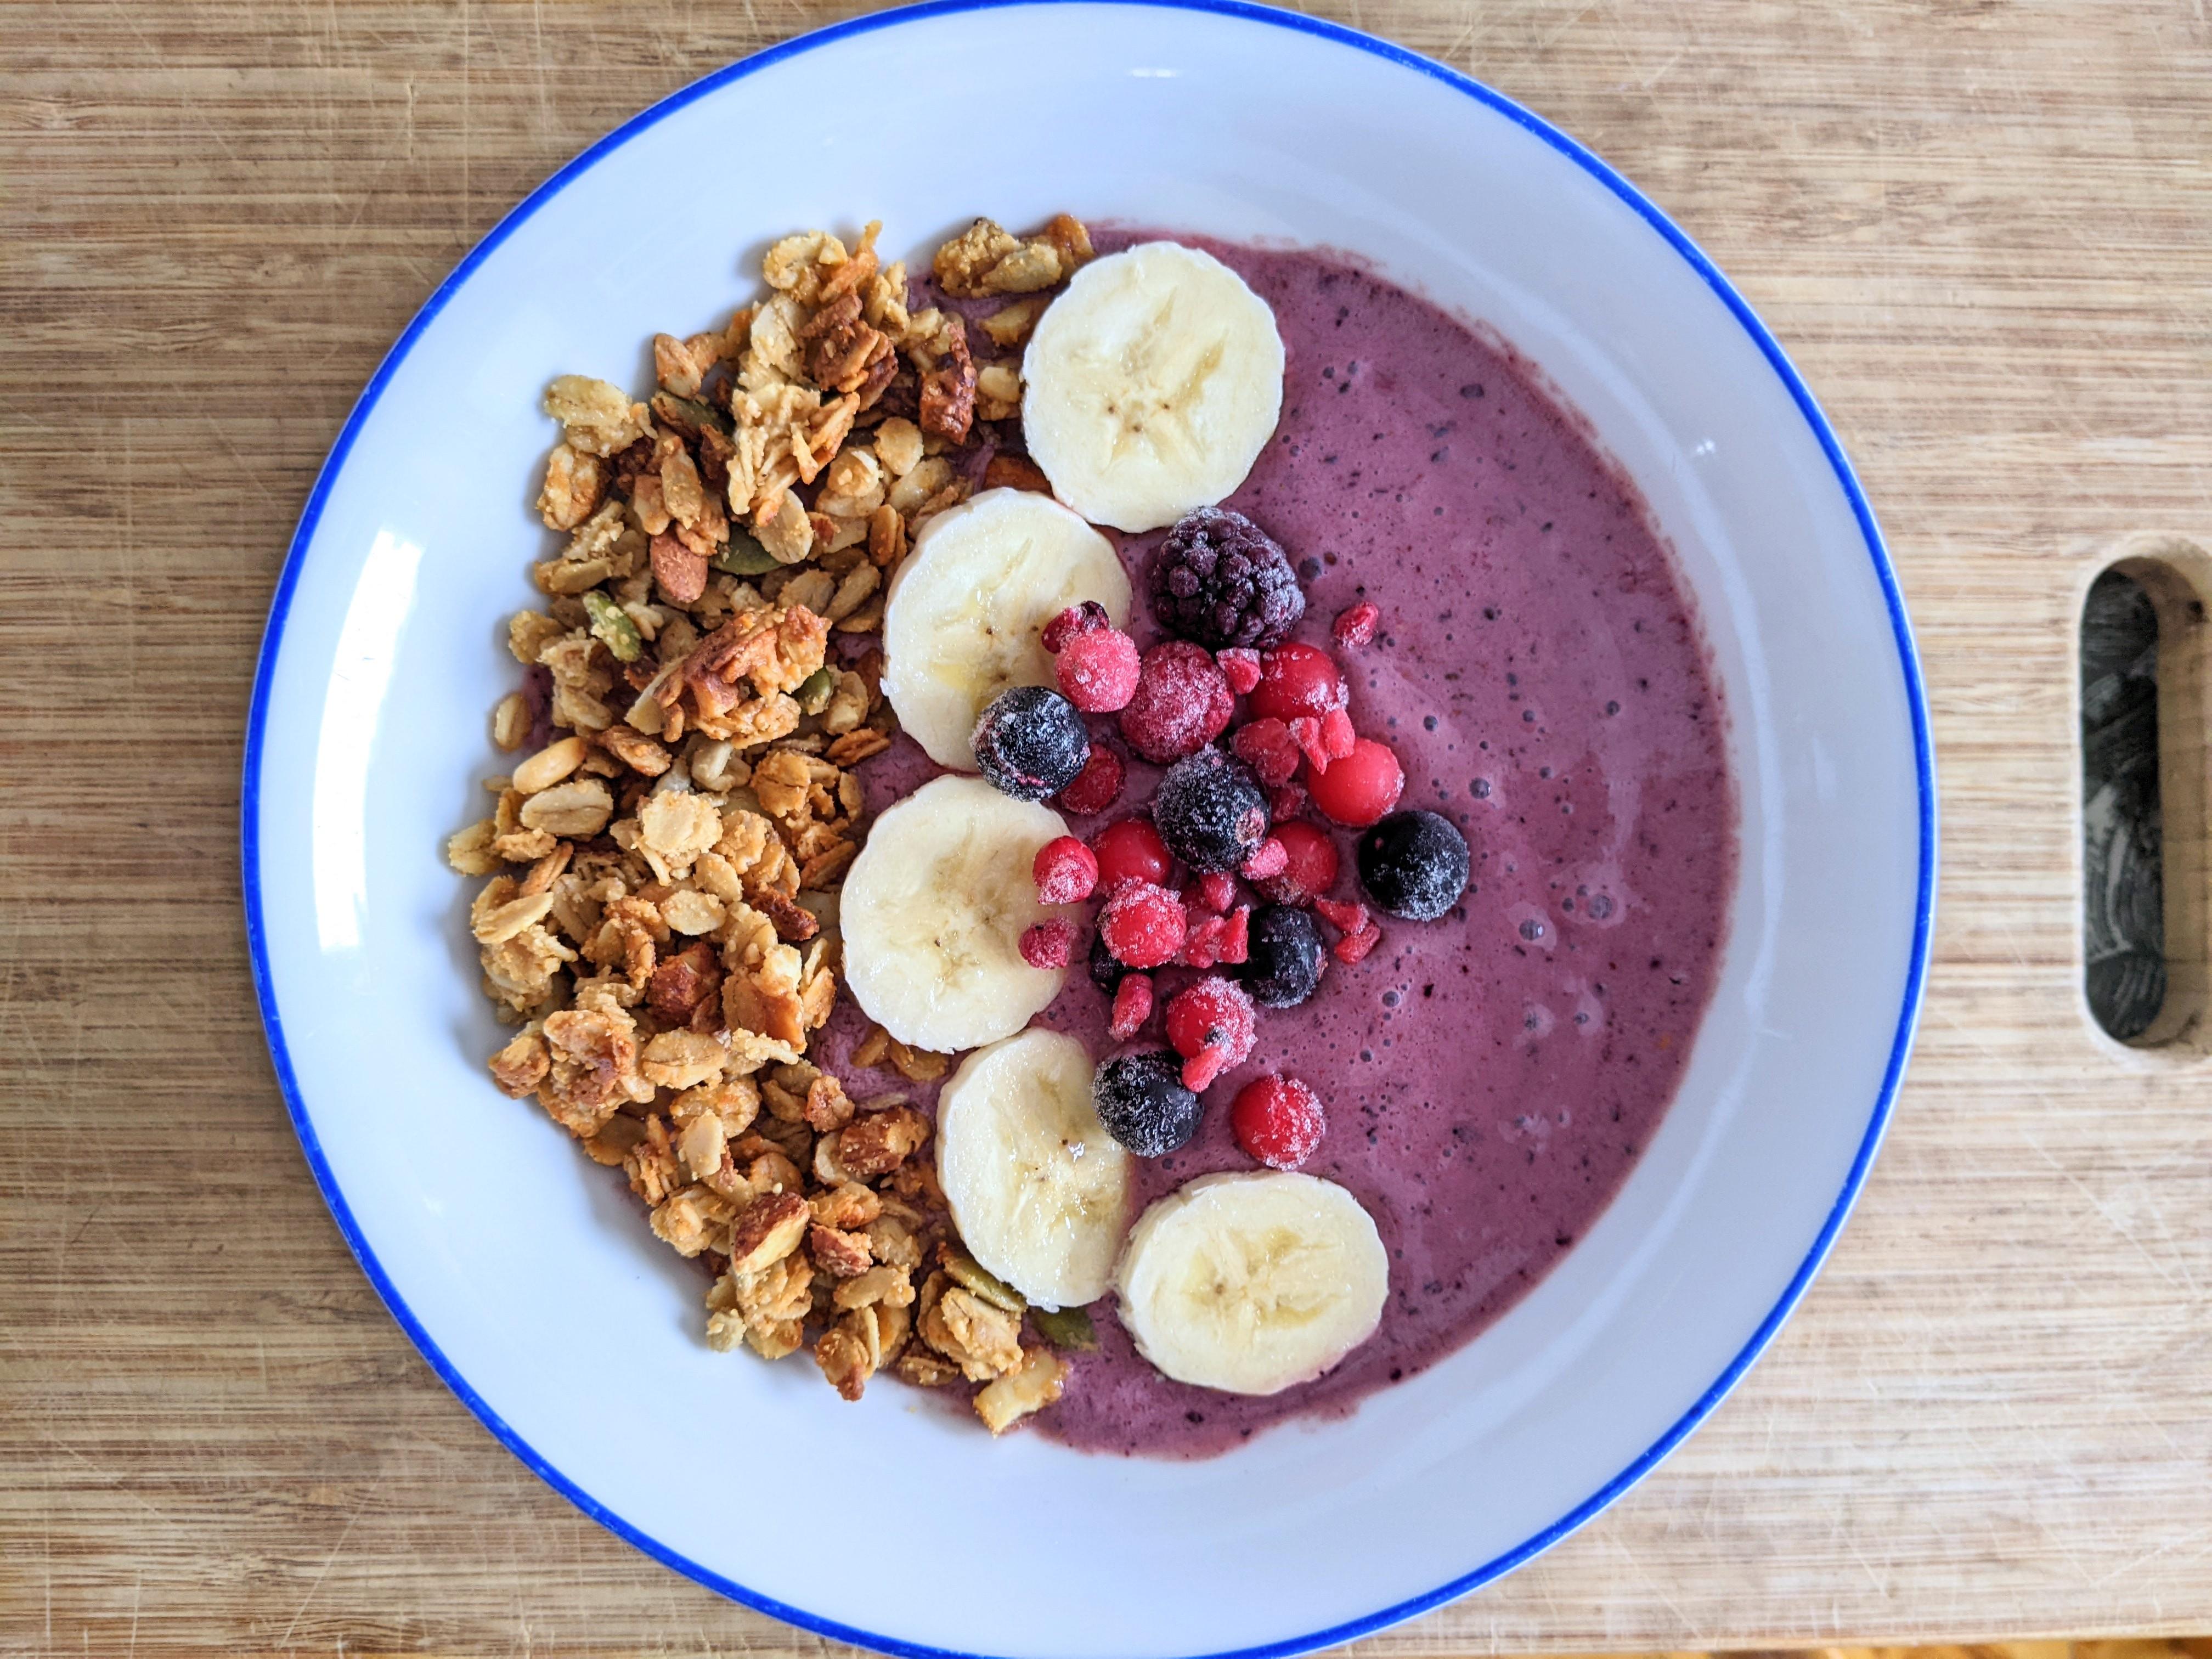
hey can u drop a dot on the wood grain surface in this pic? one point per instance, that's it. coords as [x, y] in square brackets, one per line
[1982, 227]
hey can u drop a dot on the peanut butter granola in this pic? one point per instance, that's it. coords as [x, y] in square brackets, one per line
[660, 918]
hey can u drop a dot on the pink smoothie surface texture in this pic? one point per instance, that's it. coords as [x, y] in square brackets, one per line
[1489, 1077]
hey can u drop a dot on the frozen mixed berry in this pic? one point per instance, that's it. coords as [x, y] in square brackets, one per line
[1031, 743]
[1142, 926]
[1210, 812]
[1106, 972]
[1133, 1007]
[1220, 579]
[1265, 746]
[1286, 801]
[1356, 627]
[1182, 703]
[1414, 865]
[1085, 618]
[1309, 863]
[1269, 859]
[1202, 948]
[1353, 948]
[1284, 956]
[1277, 1120]
[1362, 787]
[1236, 936]
[1297, 679]
[1065, 870]
[1048, 944]
[1097, 786]
[1305, 732]
[1214, 891]
[1097, 671]
[1130, 849]
[1142, 1101]
[1211, 1025]
[1240, 666]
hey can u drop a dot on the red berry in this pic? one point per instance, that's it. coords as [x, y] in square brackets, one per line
[1345, 916]
[1133, 1007]
[1202, 949]
[1210, 1025]
[1298, 679]
[1097, 671]
[1277, 1120]
[1144, 926]
[1285, 803]
[1237, 937]
[1337, 736]
[1048, 944]
[1305, 732]
[1362, 787]
[1217, 890]
[1130, 849]
[1357, 626]
[1182, 702]
[1097, 786]
[1272, 860]
[1065, 871]
[1240, 666]
[1265, 745]
[1076, 619]
[1354, 947]
[1308, 866]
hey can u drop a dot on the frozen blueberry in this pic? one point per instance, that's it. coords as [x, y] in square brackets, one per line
[1031, 743]
[1210, 812]
[1222, 580]
[1285, 957]
[1414, 865]
[1107, 971]
[1142, 1102]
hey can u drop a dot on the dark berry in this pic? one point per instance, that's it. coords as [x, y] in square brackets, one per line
[1106, 972]
[1414, 865]
[1284, 958]
[1030, 743]
[1182, 703]
[1277, 1120]
[1220, 579]
[1142, 1102]
[1210, 812]
[1362, 787]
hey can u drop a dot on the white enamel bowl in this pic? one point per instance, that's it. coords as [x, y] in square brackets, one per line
[527, 1278]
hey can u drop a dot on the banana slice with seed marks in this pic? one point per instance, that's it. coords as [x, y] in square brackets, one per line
[966, 608]
[1153, 384]
[1039, 1189]
[1252, 1283]
[933, 913]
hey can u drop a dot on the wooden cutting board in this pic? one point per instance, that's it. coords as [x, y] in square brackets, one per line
[1984, 231]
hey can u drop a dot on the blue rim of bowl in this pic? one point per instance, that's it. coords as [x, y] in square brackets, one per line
[1909, 662]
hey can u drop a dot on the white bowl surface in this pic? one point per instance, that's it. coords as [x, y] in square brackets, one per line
[528, 1278]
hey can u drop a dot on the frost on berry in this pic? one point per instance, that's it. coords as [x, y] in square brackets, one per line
[1240, 666]
[1133, 1007]
[1098, 671]
[1049, 944]
[1182, 703]
[1082, 618]
[1144, 926]
[1065, 871]
[1356, 627]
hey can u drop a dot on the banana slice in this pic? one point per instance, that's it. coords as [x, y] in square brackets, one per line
[933, 913]
[1039, 1189]
[1251, 1283]
[966, 608]
[1153, 383]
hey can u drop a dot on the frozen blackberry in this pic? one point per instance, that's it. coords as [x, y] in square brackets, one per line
[1414, 865]
[1142, 1102]
[1031, 743]
[1220, 579]
[1284, 957]
[1210, 812]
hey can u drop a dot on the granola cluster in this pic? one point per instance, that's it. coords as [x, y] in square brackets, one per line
[661, 917]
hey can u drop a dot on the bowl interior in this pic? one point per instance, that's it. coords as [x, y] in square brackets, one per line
[528, 1275]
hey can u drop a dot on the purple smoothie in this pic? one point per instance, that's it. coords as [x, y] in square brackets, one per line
[1489, 1077]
